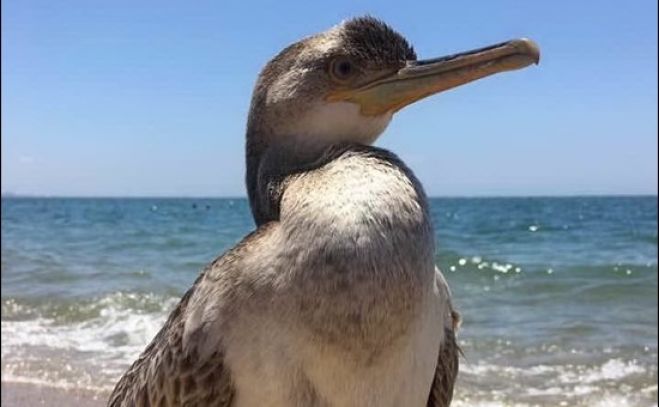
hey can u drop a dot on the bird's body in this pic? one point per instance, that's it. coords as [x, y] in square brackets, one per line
[334, 299]
[353, 318]
[347, 312]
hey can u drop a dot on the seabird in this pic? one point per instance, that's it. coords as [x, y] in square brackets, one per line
[334, 300]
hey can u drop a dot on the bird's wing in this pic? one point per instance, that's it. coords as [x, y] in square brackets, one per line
[184, 364]
[446, 371]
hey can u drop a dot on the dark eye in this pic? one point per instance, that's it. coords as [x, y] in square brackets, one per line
[342, 68]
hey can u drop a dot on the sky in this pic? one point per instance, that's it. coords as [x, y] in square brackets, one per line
[150, 98]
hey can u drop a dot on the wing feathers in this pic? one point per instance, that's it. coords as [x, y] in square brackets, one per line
[184, 364]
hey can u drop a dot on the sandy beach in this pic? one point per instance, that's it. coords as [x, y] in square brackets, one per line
[27, 395]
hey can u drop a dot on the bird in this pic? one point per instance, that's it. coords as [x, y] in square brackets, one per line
[334, 299]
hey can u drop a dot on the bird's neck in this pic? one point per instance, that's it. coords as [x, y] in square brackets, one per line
[255, 147]
[270, 164]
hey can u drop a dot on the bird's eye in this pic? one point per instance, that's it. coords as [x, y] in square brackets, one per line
[342, 69]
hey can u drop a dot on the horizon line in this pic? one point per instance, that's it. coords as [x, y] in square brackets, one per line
[492, 196]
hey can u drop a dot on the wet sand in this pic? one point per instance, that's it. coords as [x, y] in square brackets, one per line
[27, 395]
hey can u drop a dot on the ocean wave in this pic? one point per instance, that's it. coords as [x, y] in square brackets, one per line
[93, 351]
[615, 382]
[70, 310]
[612, 369]
[602, 400]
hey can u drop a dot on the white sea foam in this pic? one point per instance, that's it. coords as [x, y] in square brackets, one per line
[601, 401]
[613, 369]
[484, 403]
[582, 385]
[91, 353]
[116, 329]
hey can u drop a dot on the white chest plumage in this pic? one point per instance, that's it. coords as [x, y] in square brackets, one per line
[355, 318]
[290, 371]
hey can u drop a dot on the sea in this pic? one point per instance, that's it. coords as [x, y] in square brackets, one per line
[558, 295]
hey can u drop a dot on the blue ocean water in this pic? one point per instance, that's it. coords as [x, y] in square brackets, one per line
[558, 295]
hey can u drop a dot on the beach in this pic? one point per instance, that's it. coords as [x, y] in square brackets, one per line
[28, 395]
[557, 295]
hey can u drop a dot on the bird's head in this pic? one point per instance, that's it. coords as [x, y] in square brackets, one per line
[345, 84]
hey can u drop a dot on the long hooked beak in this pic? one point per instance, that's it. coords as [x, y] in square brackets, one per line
[419, 79]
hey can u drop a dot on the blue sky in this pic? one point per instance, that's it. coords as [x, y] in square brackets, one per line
[126, 98]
